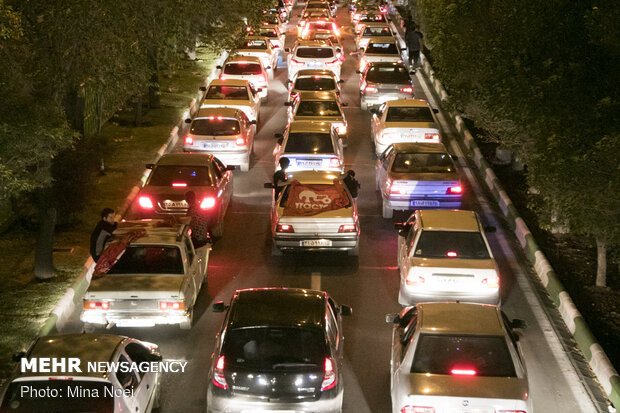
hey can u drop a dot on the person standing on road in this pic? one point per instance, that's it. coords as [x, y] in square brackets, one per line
[102, 233]
[348, 178]
[415, 44]
[279, 177]
[199, 223]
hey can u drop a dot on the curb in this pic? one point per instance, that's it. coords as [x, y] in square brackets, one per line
[74, 294]
[592, 351]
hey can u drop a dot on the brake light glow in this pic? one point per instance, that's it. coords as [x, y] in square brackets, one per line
[451, 254]
[491, 282]
[414, 280]
[333, 62]
[341, 129]
[454, 190]
[208, 202]
[431, 135]
[179, 185]
[347, 228]
[219, 380]
[398, 190]
[417, 409]
[171, 305]
[240, 141]
[334, 163]
[285, 228]
[463, 372]
[96, 305]
[189, 140]
[406, 89]
[222, 77]
[145, 202]
[296, 62]
[370, 89]
[329, 379]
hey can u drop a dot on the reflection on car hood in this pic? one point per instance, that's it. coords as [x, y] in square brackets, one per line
[485, 264]
[483, 387]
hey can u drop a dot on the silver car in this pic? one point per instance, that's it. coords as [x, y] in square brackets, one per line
[381, 82]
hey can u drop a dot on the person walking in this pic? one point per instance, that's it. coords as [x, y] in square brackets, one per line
[102, 233]
[279, 177]
[199, 223]
[415, 44]
[352, 184]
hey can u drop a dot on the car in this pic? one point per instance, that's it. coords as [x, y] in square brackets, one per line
[403, 120]
[90, 390]
[274, 19]
[319, 106]
[383, 81]
[444, 255]
[173, 175]
[155, 281]
[366, 15]
[457, 357]
[314, 4]
[380, 49]
[232, 93]
[326, 35]
[248, 68]
[321, 25]
[260, 47]
[310, 146]
[314, 80]
[279, 349]
[314, 54]
[415, 176]
[276, 37]
[310, 15]
[372, 29]
[315, 212]
[224, 132]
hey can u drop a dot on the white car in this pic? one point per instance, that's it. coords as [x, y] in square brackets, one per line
[275, 35]
[232, 93]
[314, 54]
[380, 49]
[248, 68]
[372, 29]
[310, 146]
[403, 120]
[444, 255]
[260, 47]
[457, 358]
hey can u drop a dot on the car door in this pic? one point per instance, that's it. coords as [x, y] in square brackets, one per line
[145, 391]
[382, 167]
[254, 102]
[402, 341]
[405, 249]
[224, 183]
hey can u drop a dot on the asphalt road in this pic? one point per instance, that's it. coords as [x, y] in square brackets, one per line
[242, 259]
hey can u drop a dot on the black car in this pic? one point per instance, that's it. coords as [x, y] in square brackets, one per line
[279, 349]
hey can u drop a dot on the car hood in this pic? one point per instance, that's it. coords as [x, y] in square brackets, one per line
[487, 264]
[424, 176]
[454, 386]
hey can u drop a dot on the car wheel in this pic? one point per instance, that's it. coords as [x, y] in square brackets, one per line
[387, 211]
[275, 251]
[355, 252]
[187, 324]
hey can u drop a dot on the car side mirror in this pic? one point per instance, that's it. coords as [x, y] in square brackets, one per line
[401, 226]
[219, 307]
[188, 120]
[203, 88]
[454, 157]
[358, 71]
[374, 111]
[17, 357]
[341, 81]
[230, 167]
[490, 228]
[361, 49]
[517, 323]
[280, 141]
[288, 82]
[435, 110]
[150, 165]
[338, 50]
[278, 135]
[268, 185]
[392, 318]
[288, 103]
[345, 310]
[287, 49]
[253, 122]
[218, 67]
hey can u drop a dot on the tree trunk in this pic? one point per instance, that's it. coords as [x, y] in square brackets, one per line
[601, 258]
[43, 256]
[154, 102]
[138, 112]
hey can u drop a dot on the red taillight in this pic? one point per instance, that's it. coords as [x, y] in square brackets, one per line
[222, 77]
[452, 254]
[240, 141]
[219, 380]
[334, 163]
[333, 62]
[371, 89]
[347, 228]
[463, 372]
[296, 61]
[171, 305]
[285, 228]
[96, 305]
[455, 190]
[208, 202]
[145, 202]
[417, 409]
[189, 140]
[406, 89]
[491, 282]
[179, 185]
[414, 280]
[398, 190]
[329, 379]
[431, 135]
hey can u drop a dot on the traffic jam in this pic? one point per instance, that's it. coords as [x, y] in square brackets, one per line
[282, 348]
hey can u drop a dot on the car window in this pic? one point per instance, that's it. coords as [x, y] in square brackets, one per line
[227, 92]
[452, 244]
[377, 31]
[138, 354]
[486, 356]
[409, 329]
[389, 74]
[243, 68]
[218, 169]
[315, 83]
[214, 126]
[318, 108]
[149, 259]
[189, 247]
[410, 238]
[309, 143]
[409, 114]
[422, 163]
[382, 48]
[166, 175]
[315, 52]
[258, 44]
[127, 379]
[269, 33]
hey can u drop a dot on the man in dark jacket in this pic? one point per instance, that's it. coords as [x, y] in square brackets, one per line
[102, 233]
[415, 44]
[280, 179]
[199, 221]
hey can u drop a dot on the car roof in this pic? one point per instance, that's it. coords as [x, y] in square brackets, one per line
[422, 147]
[315, 72]
[418, 103]
[229, 82]
[448, 220]
[298, 126]
[313, 43]
[317, 95]
[460, 318]
[87, 347]
[186, 159]
[316, 177]
[242, 58]
[290, 307]
[224, 112]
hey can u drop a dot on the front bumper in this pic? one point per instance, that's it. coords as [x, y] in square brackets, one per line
[422, 202]
[293, 242]
[134, 318]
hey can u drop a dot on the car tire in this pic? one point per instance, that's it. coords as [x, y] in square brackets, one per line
[187, 324]
[387, 211]
[275, 251]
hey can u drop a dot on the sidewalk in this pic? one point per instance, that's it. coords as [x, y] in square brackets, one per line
[25, 304]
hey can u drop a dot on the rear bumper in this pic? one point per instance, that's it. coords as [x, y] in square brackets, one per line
[400, 204]
[379, 98]
[223, 404]
[338, 243]
[134, 319]
[408, 297]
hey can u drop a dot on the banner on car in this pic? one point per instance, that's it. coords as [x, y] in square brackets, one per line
[308, 200]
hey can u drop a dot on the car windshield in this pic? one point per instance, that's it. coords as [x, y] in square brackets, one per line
[165, 175]
[318, 108]
[85, 396]
[243, 68]
[315, 52]
[452, 244]
[309, 143]
[149, 259]
[390, 74]
[409, 114]
[382, 48]
[274, 348]
[377, 31]
[258, 44]
[486, 356]
[227, 92]
[215, 126]
[422, 162]
[315, 83]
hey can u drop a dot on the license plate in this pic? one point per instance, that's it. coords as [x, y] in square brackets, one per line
[314, 64]
[134, 323]
[214, 145]
[419, 203]
[175, 204]
[309, 163]
[316, 243]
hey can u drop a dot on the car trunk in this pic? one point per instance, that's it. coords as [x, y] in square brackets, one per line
[423, 185]
[306, 161]
[172, 200]
[287, 384]
[455, 274]
[410, 131]
[143, 290]
[325, 223]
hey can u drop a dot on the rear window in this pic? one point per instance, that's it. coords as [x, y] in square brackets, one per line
[165, 175]
[315, 52]
[242, 69]
[486, 356]
[460, 244]
[259, 44]
[149, 259]
[213, 126]
[422, 162]
[395, 74]
[274, 348]
[95, 399]
[321, 25]
[382, 48]
[318, 108]
[412, 114]
[269, 33]
[315, 83]
[227, 92]
[377, 31]
[309, 143]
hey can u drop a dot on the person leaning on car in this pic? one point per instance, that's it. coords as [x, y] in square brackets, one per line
[102, 233]
[199, 223]
[279, 177]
